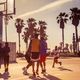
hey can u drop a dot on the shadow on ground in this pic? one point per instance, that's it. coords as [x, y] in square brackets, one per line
[4, 76]
[46, 77]
[64, 69]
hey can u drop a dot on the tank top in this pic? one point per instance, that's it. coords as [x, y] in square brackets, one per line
[35, 45]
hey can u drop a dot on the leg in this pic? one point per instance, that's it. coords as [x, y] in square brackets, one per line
[33, 64]
[37, 67]
[7, 62]
[41, 66]
[59, 62]
[44, 63]
[29, 64]
[54, 62]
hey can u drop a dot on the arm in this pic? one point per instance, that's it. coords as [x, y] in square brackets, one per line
[29, 48]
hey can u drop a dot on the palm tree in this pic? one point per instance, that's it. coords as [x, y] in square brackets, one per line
[19, 25]
[75, 17]
[62, 19]
[42, 29]
[26, 37]
[31, 26]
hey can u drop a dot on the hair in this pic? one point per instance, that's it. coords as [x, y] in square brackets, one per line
[6, 43]
[36, 35]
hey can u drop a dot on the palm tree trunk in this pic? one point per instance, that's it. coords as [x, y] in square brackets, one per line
[6, 31]
[19, 42]
[63, 39]
[77, 43]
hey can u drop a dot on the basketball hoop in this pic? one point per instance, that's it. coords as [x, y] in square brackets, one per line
[7, 7]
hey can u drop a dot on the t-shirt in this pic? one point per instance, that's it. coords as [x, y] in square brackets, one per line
[56, 53]
[6, 51]
[43, 47]
[35, 45]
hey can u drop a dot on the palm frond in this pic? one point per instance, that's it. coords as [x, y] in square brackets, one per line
[60, 14]
[57, 17]
[74, 10]
[63, 14]
[58, 21]
[65, 20]
[70, 17]
[66, 15]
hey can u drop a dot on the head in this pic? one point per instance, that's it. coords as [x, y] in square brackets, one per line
[6, 44]
[36, 35]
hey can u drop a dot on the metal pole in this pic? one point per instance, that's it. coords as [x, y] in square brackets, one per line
[19, 43]
[14, 8]
[6, 23]
[63, 39]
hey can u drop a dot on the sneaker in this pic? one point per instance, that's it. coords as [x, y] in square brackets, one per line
[37, 74]
[42, 71]
[25, 73]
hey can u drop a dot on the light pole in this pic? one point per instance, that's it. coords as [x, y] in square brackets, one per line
[6, 22]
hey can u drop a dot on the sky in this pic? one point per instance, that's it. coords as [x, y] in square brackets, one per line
[46, 10]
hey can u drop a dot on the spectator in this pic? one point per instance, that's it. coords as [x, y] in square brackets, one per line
[43, 54]
[1, 54]
[6, 50]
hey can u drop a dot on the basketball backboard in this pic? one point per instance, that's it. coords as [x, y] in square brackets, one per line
[10, 4]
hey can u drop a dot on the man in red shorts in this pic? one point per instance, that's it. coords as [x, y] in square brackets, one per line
[43, 51]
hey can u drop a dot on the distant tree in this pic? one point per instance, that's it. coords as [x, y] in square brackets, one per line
[62, 18]
[67, 47]
[42, 29]
[29, 31]
[31, 26]
[71, 48]
[74, 44]
[26, 36]
[32, 29]
[75, 17]
[19, 25]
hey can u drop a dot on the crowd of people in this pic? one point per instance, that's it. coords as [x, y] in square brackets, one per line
[35, 55]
